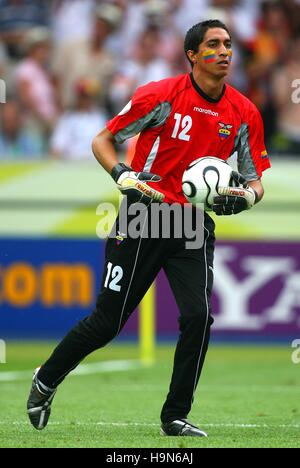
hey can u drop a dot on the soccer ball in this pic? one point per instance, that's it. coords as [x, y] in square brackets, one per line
[202, 178]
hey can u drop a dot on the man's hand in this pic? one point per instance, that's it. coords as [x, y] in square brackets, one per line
[133, 184]
[233, 200]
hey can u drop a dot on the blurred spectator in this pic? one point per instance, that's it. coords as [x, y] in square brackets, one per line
[239, 16]
[126, 43]
[288, 138]
[76, 128]
[292, 8]
[185, 13]
[134, 23]
[269, 49]
[17, 16]
[158, 16]
[3, 61]
[71, 20]
[7, 68]
[33, 85]
[271, 42]
[16, 141]
[78, 59]
[138, 16]
[145, 66]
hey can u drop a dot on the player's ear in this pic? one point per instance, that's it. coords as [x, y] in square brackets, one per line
[192, 56]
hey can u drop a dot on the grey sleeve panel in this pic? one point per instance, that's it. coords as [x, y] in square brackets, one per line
[245, 162]
[154, 118]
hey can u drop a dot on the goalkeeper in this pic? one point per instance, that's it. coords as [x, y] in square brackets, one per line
[179, 120]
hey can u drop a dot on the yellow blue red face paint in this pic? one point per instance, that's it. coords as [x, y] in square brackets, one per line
[209, 56]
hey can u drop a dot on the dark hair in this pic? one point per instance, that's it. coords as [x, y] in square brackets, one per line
[196, 33]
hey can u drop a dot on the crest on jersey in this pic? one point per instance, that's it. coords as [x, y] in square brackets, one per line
[224, 130]
[120, 237]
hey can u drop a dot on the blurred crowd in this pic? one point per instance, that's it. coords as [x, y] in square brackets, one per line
[69, 65]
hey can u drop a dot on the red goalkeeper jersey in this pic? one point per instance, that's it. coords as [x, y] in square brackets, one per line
[179, 123]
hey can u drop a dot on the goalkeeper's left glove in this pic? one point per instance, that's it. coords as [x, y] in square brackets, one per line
[233, 200]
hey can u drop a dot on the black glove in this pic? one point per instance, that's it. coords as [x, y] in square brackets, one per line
[233, 200]
[133, 184]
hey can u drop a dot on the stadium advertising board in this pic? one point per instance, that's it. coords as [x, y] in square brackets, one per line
[256, 290]
[48, 285]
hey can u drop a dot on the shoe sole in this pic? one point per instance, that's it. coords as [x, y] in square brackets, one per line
[163, 433]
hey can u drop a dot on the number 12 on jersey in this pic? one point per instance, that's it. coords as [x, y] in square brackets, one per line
[184, 124]
[113, 276]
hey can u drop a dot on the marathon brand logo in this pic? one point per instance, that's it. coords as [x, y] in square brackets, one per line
[206, 111]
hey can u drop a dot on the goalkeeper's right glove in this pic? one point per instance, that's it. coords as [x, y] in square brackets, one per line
[133, 184]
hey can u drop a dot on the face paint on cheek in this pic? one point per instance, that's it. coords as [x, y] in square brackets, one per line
[209, 56]
[230, 55]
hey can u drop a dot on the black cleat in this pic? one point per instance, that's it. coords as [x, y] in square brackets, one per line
[39, 403]
[181, 427]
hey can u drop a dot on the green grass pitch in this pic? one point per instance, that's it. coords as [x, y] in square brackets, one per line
[247, 397]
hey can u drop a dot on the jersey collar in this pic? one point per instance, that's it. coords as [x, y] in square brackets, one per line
[203, 94]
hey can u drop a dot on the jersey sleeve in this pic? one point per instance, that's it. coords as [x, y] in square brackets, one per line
[253, 157]
[147, 108]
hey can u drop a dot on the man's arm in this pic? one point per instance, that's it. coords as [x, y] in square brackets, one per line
[258, 187]
[104, 150]
[130, 183]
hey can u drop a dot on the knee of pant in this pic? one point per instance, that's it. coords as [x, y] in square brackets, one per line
[102, 329]
[195, 319]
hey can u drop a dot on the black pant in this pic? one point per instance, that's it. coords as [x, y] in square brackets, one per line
[131, 265]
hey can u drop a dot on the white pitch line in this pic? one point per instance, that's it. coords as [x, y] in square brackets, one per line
[137, 424]
[241, 425]
[83, 369]
[15, 375]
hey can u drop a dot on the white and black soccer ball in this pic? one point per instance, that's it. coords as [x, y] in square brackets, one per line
[202, 178]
